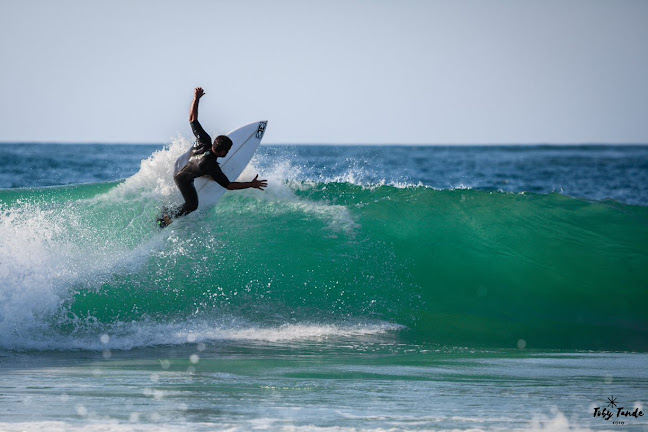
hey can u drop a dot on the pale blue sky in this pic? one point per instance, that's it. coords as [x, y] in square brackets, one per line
[352, 71]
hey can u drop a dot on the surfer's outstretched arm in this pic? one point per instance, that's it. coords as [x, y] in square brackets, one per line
[255, 183]
[193, 113]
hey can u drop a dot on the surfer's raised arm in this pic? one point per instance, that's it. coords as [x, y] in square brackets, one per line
[193, 114]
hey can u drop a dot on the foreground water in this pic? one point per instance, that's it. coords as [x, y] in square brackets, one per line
[340, 383]
[367, 288]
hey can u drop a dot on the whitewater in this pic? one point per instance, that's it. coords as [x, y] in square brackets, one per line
[367, 288]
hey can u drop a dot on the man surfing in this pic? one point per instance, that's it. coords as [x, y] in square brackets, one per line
[202, 162]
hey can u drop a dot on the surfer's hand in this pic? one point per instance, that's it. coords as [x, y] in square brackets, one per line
[199, 92]
[258, 184]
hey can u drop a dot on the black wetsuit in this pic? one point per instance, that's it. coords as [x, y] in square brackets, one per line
[201, 163]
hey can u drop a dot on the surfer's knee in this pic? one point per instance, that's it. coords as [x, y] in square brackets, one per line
[185, 209]
[178, 179]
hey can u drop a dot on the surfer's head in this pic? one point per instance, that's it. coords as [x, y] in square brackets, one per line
[222, 145]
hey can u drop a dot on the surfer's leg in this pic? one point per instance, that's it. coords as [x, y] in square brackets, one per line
[188, 191]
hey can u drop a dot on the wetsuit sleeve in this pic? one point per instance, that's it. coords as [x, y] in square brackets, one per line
[200, 134]
[219, 177]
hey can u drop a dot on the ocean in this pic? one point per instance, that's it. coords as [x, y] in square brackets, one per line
[368, 288]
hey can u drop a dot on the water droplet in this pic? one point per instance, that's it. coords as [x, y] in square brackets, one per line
[81, 410]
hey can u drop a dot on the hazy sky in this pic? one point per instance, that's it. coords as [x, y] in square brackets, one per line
[350, 71]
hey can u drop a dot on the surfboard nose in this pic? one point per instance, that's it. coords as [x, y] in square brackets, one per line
[261, 128]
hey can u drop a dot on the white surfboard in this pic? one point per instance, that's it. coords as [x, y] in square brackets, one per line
[245, 142]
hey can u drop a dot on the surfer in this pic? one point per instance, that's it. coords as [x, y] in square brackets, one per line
[203, 163]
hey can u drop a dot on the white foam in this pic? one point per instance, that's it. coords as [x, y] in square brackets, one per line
[154, 180]
[283, 182]
[47, 248]
[130, 335]
[29, 264]
[557, 423]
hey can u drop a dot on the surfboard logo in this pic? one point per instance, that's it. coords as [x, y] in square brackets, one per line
[261, 129]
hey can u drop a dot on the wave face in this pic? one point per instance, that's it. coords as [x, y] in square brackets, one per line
[84, 267]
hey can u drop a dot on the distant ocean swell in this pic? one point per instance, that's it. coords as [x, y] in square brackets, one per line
[84, 267]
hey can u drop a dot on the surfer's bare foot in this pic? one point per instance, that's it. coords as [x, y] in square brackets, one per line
[164, 220]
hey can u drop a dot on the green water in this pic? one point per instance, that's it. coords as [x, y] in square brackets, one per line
[460, 267]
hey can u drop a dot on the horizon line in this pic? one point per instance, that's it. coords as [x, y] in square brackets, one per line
[530, 144]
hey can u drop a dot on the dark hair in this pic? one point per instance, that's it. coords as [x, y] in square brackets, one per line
[222, 143]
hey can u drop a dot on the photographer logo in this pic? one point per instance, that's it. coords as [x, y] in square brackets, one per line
[615, 413]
